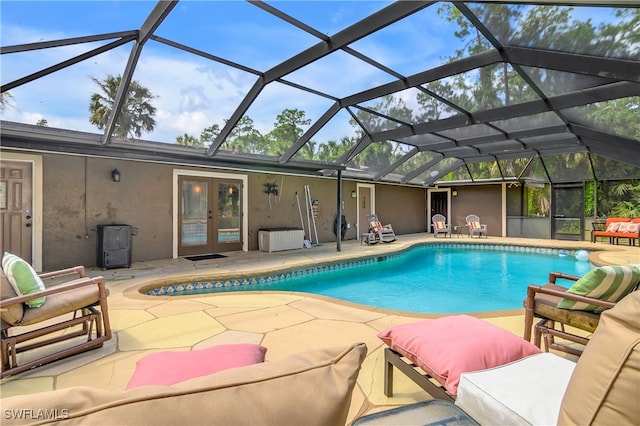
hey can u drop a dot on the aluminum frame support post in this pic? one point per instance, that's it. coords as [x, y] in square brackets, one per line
[339, 214]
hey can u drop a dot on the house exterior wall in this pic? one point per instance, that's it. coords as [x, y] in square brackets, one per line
[79, 195]
[485, 201]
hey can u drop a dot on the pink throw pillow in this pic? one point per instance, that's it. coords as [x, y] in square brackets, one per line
[170, 367]
[446, 347]
[613, 227]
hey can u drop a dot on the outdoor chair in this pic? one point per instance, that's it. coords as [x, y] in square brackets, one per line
[475, 227]
[381, 233]
[538, 389]
[440, 225]
[74, 318]
[578, 307]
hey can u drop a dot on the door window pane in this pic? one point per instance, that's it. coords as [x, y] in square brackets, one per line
[194, 213]
[228, 212]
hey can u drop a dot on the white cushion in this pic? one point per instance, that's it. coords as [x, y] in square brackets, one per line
[527, 391]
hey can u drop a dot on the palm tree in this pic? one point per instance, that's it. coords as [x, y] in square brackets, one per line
[136, 115]
[5, 98]
[188, 140]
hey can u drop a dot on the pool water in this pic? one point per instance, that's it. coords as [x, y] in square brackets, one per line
[432, 280]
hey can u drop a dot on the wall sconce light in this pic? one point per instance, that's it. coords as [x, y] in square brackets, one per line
[354, 194]
[271, 189]
[115, 175]
[454, 193]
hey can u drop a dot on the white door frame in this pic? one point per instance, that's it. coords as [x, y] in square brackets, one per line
[372, 191]
[431, 191]
[36, 208]
[202, 173]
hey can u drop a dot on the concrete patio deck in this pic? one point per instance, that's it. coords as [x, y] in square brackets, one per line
[285, 323]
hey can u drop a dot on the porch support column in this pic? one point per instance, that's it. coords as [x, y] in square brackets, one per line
[339, 214]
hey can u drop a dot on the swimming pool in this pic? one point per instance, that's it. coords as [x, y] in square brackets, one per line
[430, 278]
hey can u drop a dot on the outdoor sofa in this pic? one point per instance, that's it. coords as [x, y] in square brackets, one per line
[616, 228]
[308, 388]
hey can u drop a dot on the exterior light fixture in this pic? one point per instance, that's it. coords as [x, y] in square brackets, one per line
[115, 175]
[354, 194]
[454, 193]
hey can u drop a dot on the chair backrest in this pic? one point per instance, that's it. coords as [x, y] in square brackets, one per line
[439, 223]
[374, 223]
[472, 218]
[604, 386]
[438, 218]
[13, 313]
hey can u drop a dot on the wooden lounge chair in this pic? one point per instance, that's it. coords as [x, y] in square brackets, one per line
[545, 388]
[381, 233]
[75, 311]
[440, 225]
[542, 302]
[475, 227]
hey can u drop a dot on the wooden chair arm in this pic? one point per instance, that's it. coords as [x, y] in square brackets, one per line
[533, 289]
[555, 275]
[80, 282]
[75, 270]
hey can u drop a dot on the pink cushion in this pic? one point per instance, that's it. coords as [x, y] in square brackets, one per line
[171, 367]
[613, 227]
[446, 347]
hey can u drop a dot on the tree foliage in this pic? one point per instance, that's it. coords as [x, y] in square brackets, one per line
[136, 115]
[5, 100]
[489, 87]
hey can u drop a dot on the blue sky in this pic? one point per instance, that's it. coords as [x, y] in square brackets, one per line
[193, 93]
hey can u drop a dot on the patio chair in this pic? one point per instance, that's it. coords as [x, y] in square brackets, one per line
[440, 225]
[381, 233]
[542, 388]
[73, 319]
[579, 306]
[475, 227]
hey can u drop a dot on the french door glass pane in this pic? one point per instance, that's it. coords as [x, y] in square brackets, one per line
[228, 212]
[194, 213]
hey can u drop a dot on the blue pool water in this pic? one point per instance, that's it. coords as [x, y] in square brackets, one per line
[427, 279]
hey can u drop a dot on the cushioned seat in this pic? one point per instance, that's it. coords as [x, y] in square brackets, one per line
[309, 388]
[62, 303]
[440, 225]
[579, 306]
[444, 348]
[78, 308]
[488, 396]
[547, 307]
[475, 227]
[602, 388]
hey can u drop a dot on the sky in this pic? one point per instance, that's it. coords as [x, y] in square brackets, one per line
[193, 93]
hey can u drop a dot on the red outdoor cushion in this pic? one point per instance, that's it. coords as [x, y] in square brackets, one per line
[170, 367]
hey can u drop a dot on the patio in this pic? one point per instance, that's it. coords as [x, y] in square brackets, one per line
[285, 323]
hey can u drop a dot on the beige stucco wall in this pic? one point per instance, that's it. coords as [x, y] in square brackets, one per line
[75, 203]
[485, 201]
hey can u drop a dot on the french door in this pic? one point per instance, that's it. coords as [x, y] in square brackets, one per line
[210, 215]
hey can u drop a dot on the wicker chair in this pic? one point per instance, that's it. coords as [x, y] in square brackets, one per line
[475, 227]
[440, 225]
